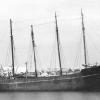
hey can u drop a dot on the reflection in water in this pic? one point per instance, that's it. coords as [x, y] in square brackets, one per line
[49, 96]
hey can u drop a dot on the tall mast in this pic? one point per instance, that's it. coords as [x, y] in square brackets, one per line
[84, 39]
[58, 44]
[33, 43]
[12, 48]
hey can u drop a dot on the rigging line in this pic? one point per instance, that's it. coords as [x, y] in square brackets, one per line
[40, 24]
[53, 53]
[43, 23]
[35, 25]
[87, 54]
[78, 49]
[80, 44]
[22, 21]
[77, 58]
[52, 22]
[7, 52]
[38, 58]
[16, 60]
[62, 56]
[80, 59]
[76, 64]
[70, 19]
[29, 55]
[34, 19]
[29, 46]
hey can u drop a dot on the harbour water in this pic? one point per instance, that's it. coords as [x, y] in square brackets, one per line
[50, 96]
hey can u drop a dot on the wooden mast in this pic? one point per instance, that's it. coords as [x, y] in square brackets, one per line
[12, 48]
[58, 44]
[33, 43]
[84, 39]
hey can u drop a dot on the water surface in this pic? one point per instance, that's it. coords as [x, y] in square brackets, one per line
[49, 96]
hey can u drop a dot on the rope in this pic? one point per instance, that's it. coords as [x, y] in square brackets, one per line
[78, 54]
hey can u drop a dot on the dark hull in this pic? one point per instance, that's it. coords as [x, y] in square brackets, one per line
[73, 82]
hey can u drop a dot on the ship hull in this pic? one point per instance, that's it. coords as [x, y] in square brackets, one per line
[81, 83]
[86, 80]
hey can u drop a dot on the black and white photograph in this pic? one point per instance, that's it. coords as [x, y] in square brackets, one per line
[49, 49]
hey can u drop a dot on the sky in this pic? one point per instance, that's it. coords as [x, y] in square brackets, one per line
[40, 13]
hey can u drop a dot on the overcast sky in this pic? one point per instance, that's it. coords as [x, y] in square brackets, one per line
[40, 13]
